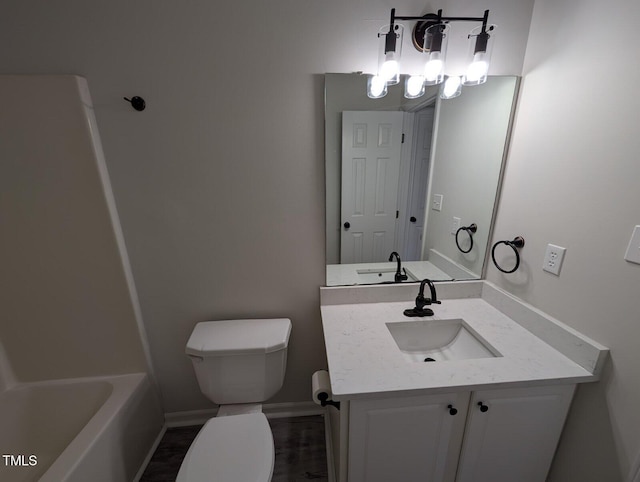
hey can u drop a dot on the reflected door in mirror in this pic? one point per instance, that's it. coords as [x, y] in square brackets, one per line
[371, 152]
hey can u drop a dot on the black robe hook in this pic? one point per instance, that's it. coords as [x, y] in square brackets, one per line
[137, 103]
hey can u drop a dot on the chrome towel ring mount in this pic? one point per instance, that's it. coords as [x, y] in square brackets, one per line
[515, 244]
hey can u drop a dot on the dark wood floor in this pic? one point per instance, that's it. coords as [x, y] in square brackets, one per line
[299, 443]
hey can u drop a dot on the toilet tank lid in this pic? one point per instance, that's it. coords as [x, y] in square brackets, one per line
[239, 337]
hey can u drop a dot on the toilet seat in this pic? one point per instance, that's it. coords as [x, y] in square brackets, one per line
[236, 448]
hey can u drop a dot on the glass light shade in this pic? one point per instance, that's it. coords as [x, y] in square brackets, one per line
[390, 48]
[480, 48]
[436, 39]
[434, 69]
[451, 88]
[390, 71]
[477, 70]
[414, 87]
[376, 87]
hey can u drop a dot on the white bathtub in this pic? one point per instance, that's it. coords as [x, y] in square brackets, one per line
[78, 430]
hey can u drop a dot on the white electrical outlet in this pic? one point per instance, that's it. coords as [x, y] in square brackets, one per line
[455, 225]
[436, 204]
[553, 259]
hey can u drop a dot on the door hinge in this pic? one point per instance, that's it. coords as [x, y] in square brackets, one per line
[402, 138]
[397, 214]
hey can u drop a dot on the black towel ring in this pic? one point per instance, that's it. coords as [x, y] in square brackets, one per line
[470, 230]
[515, 244]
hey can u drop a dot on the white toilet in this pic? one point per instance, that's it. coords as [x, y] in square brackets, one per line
[239, 364]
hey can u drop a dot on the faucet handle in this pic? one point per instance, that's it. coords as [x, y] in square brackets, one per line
[401, 277]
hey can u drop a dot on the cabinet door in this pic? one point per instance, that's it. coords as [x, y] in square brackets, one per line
[406, 439]
[512, 434]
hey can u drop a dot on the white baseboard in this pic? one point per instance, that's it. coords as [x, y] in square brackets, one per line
[191, 417]
[271, 410]
[292, 409]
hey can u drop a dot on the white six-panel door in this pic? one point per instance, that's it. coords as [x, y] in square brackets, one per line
[371, 149]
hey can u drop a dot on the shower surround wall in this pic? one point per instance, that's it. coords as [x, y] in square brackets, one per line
[65, 299]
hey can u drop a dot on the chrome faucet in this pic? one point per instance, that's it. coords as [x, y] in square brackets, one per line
[399, 277]
[421, 301]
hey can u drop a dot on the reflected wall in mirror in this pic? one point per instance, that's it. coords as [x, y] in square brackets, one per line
[405, 174]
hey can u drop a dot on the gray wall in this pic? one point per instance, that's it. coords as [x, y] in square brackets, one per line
[65, 306]
[220, 182]
[469, 148]
[572, 180]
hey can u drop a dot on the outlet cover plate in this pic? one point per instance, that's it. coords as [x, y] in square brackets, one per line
[633, 250]
[455, 225]
[436, 204]
[553, 259]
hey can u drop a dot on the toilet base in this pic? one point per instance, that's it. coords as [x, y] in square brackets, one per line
[239, 409]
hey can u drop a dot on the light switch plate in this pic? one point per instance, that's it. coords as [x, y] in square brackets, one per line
[553, 259]
[436, 205]
[633, 250]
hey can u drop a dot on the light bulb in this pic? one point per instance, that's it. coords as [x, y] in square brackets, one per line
[390, 71]
[376, 87]
[477, 70]
[414, 87]
[452, 88]
[434, 68]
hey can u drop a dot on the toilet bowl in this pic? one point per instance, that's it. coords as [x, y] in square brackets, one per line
[237, 448]
[238, 364]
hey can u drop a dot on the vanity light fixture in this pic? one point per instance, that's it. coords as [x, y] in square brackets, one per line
[480, 55]
[389, 52]
[430, 36]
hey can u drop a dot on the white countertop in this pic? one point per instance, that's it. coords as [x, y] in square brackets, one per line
[364, 360]
[347, 274]
[437, 268]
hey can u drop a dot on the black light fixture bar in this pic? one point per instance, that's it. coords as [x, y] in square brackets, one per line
[426, 21]
[439, 18]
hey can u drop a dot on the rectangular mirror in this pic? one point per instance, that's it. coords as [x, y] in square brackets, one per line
[412, 176]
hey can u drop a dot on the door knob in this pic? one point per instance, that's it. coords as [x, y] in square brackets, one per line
[347, 225]
[452, 411]
[413, 219]
[483, 407]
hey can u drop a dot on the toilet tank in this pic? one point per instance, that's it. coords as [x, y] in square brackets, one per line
[240, 361]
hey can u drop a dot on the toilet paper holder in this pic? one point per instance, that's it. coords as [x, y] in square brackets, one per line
[323, 397]
[321, 389]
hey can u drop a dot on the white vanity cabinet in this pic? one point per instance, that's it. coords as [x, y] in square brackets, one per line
[512, 434]
[406, 438]
[395, 423]
[483, 436]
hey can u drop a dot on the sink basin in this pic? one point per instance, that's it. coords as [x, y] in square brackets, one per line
[380, 275]
[439, 340]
